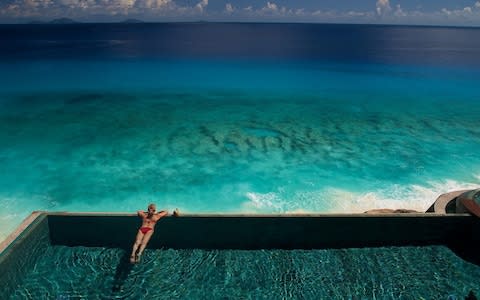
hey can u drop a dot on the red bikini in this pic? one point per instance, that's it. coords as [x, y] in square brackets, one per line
[145, 229]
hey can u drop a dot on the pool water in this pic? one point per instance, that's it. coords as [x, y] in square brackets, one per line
[432, 272]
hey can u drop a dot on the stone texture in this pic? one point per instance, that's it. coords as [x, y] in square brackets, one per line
[390, 211]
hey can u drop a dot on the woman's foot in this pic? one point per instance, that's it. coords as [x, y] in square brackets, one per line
[137, 257]
[132, 259]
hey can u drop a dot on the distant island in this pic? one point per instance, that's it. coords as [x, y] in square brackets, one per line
[71, 21]
[63, 21]
[55, 21]
[132, 21]
[126, 21]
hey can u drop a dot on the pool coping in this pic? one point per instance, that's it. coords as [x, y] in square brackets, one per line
[12, 237]
[247, 215]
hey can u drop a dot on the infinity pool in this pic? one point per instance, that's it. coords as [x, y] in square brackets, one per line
[432, 272]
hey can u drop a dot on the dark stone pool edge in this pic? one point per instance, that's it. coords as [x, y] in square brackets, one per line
[242, 231]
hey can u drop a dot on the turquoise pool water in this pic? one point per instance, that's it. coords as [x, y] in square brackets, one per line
[372, 273]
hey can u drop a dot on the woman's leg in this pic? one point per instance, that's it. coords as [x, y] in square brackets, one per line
[144, 242]
[138, 241]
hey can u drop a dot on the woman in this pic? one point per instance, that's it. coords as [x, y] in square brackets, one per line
[149, 219]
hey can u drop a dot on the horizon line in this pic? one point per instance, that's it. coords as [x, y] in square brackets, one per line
[139, 21]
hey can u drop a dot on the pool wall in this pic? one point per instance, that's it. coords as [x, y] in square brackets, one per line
[265, 232]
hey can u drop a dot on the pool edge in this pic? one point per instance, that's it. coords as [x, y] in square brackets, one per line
[20, 229]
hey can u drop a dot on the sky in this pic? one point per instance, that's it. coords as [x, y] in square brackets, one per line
[410, 12]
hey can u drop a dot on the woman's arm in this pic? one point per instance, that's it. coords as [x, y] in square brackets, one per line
[162, 214]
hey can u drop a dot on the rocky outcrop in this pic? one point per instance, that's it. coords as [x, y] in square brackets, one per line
[390, 211]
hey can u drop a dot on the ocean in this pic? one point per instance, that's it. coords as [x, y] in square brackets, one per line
[235, 117]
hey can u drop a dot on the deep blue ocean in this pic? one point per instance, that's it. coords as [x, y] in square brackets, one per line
[233, 118]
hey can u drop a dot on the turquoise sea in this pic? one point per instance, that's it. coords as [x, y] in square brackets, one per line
[234, 118]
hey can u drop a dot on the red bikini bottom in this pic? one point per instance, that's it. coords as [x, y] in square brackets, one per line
[145, 229]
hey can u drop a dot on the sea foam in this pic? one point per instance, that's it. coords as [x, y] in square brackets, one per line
[338, 200]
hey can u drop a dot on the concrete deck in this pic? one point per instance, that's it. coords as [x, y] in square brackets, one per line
[443, 201]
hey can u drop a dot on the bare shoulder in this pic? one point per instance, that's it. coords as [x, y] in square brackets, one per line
[141, 213]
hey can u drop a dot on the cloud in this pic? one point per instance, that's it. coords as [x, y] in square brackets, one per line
[127, 3]
[153, 4]
[353, 13]
[229, 8]
[12, 10]
[383, 7]
[273, 9]
[300, 12]
[25, 8]
[465, 12]
[477, 4]
[85, 9]
[399, 11]
[271, 6]
[201, 5]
